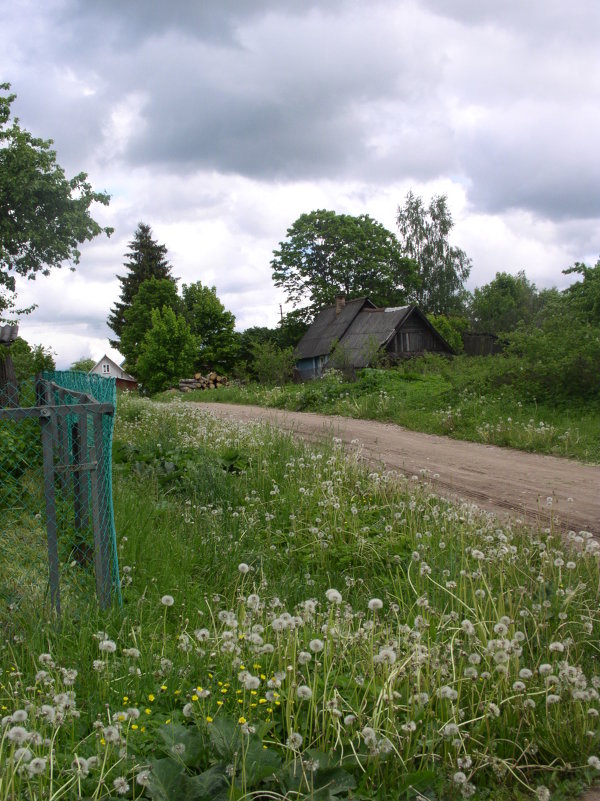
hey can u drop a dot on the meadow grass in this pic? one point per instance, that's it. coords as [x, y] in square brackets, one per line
[296, 627]
[470, 398]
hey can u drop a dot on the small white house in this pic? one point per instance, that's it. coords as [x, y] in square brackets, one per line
[108, 368]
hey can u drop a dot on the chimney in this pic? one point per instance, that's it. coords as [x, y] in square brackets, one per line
[340, 302]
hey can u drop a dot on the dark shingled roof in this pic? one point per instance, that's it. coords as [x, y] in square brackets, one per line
[329, 328]
[370, 331]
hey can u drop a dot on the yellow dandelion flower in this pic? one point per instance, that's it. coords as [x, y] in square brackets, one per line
[209, 719]
[240, 701]
[219, 703]
[194, 697]
[241, 719]
[176, 692]
[199, 689]
[151, 697]
[148, 711]
[134, 726]
[163, 687]
[262, 700]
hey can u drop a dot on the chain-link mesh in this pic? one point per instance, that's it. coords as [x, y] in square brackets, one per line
[56, 513]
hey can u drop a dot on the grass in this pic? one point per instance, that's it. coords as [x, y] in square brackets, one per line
[294, 627]
[469, 398]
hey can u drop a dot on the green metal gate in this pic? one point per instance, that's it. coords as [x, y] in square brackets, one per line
[57, 432]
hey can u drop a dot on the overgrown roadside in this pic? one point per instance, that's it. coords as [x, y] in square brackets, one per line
[540, 488]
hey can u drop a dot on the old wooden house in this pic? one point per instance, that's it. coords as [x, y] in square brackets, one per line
[360, 331]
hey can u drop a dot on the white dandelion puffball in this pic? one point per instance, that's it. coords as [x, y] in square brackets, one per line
[167, 600]
[304, 693]
[333, 596]
[375, 604]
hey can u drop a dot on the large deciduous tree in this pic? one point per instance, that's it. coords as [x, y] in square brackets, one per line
[145, 259]
[443, 268]
[325, 254]
[507, 301]
[213, 325]
[168, 352]
[155, 293]
[44, 216]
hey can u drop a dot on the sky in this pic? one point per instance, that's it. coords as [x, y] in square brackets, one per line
[219, 122]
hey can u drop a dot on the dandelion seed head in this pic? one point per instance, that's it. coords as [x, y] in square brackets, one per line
[167, 600]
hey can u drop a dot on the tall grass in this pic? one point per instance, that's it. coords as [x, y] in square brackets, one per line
[294, 627]
[471, 398]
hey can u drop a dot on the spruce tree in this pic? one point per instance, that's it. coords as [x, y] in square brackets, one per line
[145, 259]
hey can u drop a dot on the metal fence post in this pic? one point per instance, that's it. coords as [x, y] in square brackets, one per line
[99, 517]
[48, 463]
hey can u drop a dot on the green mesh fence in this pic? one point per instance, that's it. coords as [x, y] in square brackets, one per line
[57, 529]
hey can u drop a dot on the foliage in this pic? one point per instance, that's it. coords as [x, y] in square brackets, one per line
[272, 365]
[213, 325]
[44, 216]
[145, 259]
[292, 327]
[583, 296]
[84, 364]
[559, 351]
[442, 268]
[326, 253]
[168, 352]
[29, 361]
[154, 293]
[451, 328]
[505, 303]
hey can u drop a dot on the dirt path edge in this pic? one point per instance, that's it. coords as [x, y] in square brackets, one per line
[543, 490]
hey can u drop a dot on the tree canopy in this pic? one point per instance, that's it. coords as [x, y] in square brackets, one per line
[507, 301]
[443, 268]
[84, 364]
[154, 293]
[145, 259]
[168, 351]
[325, 254]
[44, 216]
[212, 324]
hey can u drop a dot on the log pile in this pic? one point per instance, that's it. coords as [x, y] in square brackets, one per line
[210, 381]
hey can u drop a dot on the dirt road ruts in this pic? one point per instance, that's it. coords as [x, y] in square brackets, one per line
[496, 479]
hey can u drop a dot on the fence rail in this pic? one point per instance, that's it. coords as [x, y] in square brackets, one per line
[55, 467]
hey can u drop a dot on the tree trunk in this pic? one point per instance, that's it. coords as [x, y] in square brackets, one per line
[9, 391]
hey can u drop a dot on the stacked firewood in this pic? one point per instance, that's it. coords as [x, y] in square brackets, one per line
[210, 381]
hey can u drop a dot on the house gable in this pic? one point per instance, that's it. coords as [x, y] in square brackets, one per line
[108, 368]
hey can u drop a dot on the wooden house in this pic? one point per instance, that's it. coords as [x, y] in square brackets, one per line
[361, 331]
[110, 369]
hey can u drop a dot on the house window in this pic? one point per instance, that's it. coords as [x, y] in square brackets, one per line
[106, 368]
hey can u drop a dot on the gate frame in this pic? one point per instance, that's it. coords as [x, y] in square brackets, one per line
[54, 438]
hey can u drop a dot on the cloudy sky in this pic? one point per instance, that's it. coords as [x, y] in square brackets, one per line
[219, 122]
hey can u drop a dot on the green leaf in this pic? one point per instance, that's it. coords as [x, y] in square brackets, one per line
[260, 762]
[225, 738]
[167, 780]
[208, 786]
[188, 736]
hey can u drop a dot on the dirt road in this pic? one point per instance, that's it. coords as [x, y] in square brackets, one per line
[497, 479]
